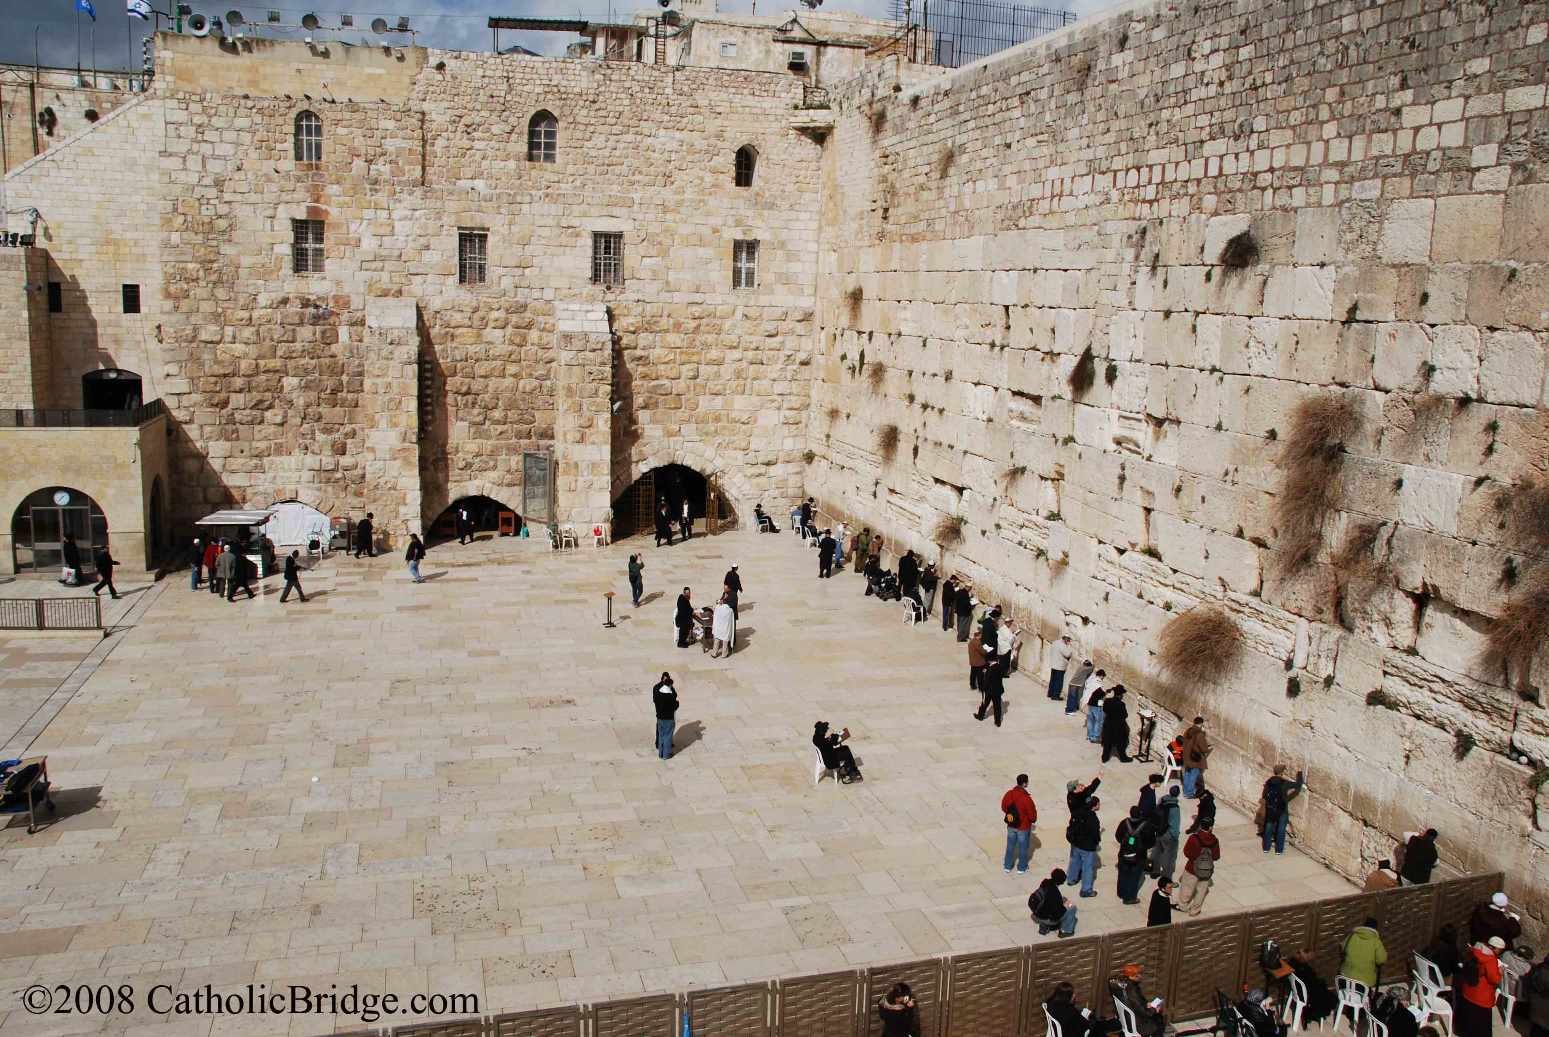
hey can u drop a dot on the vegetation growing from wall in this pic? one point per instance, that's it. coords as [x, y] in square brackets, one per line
[1200, 646]
[1083, 374]
[1521, 629]
[948, 531]
[887, 441]
[1310, 463]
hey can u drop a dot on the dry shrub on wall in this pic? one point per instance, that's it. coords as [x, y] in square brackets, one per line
[833, 415]
[1310, 461]
[944, 161]
[1526, 506]
[1359, 572]
[1515, 636]
[875, 372]
[1201, 646]
[887, 441]
[1083, 374]
[852, 300]
[877, 117]
[948, 531]
[1239, 253]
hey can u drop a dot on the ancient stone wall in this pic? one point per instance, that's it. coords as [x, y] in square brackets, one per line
[1073, 303]
[40, 108]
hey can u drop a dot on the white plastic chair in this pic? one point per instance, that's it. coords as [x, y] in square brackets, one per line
[1172, 773]
[1433, 995]
[602, 534]
[911, 617]
[1375, 1027]
[1355, 996]
[819, 772]
[1054, 1027]
[1127, 1024]
[1506, 996]
[1296, 1004]
[567, 539]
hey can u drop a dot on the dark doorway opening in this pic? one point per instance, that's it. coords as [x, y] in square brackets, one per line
[483, 512]
[635, 510]
[111, 388]
[39, 526]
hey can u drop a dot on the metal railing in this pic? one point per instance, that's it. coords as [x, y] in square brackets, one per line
[954, 33]
[51, 613]
[1001, 992]
[50, 417]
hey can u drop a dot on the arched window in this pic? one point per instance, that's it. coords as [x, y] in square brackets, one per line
[309, 137]
[542, 138]
[747, 158]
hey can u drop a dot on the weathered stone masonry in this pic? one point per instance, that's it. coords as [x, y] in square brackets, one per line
[982, 231]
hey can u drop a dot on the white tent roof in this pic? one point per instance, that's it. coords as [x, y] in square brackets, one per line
[235, 518]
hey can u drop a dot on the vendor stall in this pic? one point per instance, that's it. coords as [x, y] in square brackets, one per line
[248, 530]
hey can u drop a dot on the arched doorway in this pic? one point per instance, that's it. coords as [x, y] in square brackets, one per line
[635, 510]
[111, 388]
[45, 517]
[484, 512]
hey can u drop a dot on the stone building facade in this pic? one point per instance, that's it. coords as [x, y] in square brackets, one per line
[1060, 319]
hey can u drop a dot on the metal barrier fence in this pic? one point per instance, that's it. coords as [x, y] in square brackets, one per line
[51, 613]
[954, 33]
[1000, 993]
[64, 417]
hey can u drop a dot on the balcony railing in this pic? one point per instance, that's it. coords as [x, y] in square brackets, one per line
[21, 417]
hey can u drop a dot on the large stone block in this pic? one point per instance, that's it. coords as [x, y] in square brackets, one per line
[1467, 228]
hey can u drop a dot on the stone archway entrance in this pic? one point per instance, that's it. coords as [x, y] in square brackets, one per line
[45, 518]
[673, 484]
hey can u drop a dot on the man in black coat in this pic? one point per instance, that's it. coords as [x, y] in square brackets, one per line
[72, 561]
[293, 578]
[684, 618]
[1116, 726]
[1084, 833]
[807, 529]
[663, 524]
[826, 555]
[365, 537]
[731, 583]
[664, 697]
[1420, 857]
[909, 576]
[1161, 910]
[105, 564]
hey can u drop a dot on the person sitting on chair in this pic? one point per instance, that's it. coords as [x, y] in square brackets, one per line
[1071, 1018]
[1150, 1021]
[836, 755]
[765, 523]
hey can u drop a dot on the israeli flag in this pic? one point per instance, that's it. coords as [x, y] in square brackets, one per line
[140, 9]
[85, 7]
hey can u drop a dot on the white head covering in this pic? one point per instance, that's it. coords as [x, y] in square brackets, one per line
[1499, 900]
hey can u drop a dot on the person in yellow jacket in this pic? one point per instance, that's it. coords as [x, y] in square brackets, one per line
[1365, 954]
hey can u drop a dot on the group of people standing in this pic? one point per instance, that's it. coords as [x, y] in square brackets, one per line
[665, 521]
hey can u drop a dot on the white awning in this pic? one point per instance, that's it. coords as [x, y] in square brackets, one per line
[235, 518]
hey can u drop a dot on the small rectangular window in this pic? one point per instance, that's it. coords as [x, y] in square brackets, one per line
[56, 297]
[131, 294]
[744, 264]
[607, 258]
[472, 257]
[728, 50]
[306, 246]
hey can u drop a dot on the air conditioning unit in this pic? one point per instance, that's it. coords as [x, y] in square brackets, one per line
[798, 61]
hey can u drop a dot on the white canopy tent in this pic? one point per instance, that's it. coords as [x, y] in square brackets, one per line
[295, 523]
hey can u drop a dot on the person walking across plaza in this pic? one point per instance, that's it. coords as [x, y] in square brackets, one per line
[663, 524]
[686, 521]
[636, 578]
[723, 628]
[414, 554]
[70, 555]
[1275, 802]
[992, 686]
[1059, 661]
[1201, 854]
[1196, 757]
[1084, 833]
[664, 697]
[365, 537]
[212, 554]
[1020, 813]
[293, 578]
[464, 525]
[226, 569]
[683, 618]
[105, 565]
[826, 548]
[238, 580]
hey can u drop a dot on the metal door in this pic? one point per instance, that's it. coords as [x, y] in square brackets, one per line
[645, 502]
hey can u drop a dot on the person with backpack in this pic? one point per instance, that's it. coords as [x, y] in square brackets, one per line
[1134, 838]
[1084, 833]
[1050, 908]
[1020, 814]
[1478, 982]
[1420, 857]
[1274, 803]
[1201, 854]
[1164, 854]
[414, 554]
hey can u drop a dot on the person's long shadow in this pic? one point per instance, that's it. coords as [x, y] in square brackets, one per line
[687, 735]
[650, 598]
[744, 638]
[435, 576]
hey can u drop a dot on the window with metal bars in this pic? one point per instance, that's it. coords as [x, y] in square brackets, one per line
[744, 264]
[309, 137]
[607, 257]
[472, 257]
[542, 138]
[306, 246]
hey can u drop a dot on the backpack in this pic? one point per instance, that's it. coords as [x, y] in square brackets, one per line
[1129, 845]
[1035, 901]
[1205, 863]
[1274, 799]
[1269, 956]
[1468, 972]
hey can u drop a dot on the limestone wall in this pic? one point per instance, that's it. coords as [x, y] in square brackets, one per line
[40, 108]
[1079, 193]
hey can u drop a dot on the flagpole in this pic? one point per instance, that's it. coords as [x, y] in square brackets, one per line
[94, 53]
[77, 43]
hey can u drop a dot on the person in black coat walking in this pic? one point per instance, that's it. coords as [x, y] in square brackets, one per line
[826, 555]
[1116, 726]
[72, 562]
[365, 536]
[663, 524]
[293, 578]
[105, 564]
[239, 578]
[684, 618]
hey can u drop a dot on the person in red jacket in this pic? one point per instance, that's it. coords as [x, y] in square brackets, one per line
[1021, 814]
[1476, 983]
[1201, 855]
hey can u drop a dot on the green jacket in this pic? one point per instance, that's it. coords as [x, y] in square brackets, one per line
[1364, 955]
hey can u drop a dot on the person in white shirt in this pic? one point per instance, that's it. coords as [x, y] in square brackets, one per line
[1059, 662]
[723, 628]
[841, 537]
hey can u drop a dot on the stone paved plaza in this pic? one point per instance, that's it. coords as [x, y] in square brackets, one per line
[451, 787]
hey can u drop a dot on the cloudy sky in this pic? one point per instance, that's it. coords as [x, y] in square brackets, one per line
[57, 35]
